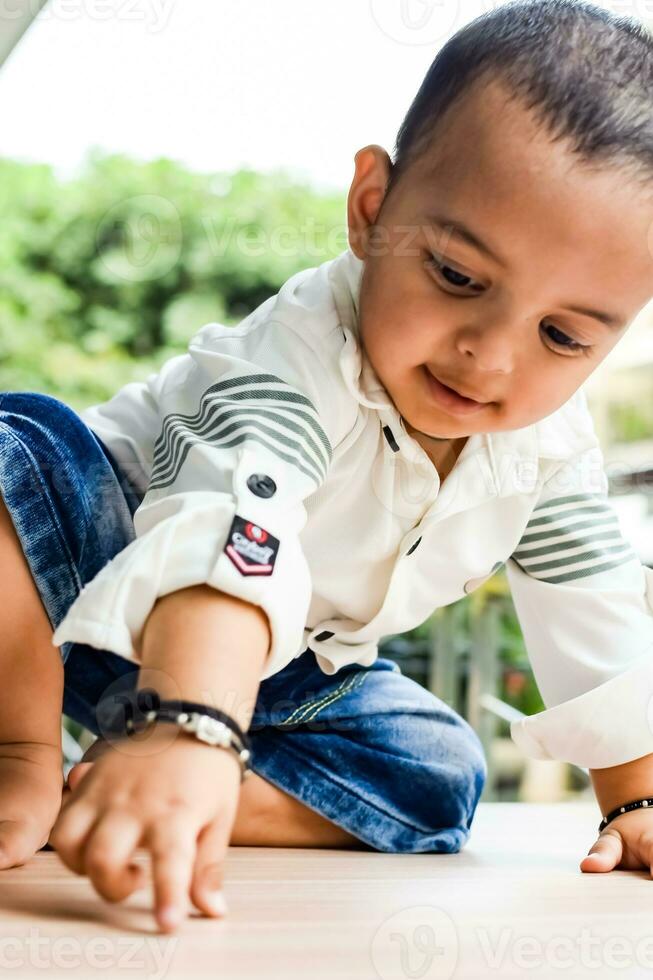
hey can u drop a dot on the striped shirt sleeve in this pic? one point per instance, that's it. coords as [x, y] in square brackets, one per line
[245, 409]
[247, 421]
[585, 605]
[571, 537]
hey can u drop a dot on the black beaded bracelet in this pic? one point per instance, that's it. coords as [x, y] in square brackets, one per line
[626, 808]
[135, 711]
[202, 727]
[123, 712]
[188, 707]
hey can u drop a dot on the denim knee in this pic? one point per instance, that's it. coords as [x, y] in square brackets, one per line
[468, 782]
[437, 804]
[374, 752]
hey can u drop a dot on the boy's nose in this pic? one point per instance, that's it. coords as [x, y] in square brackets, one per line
[491, 344]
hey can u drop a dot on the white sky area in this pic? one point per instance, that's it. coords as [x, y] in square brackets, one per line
[218, 84]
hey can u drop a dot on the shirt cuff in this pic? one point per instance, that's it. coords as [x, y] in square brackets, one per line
[610, 725]
[185, 548]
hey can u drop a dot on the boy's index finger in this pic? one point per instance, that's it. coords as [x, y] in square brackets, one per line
[172, 843]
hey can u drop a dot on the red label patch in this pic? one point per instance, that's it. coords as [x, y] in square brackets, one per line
[251, 548]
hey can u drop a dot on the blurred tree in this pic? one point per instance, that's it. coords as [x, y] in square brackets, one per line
[104, 277]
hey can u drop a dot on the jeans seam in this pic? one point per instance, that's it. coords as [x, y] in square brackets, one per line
[355, 684]
[314, 702]
[309, 704]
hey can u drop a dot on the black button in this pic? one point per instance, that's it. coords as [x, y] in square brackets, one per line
[261, 484]
[392, 442]
[324, 635]
[413, 546]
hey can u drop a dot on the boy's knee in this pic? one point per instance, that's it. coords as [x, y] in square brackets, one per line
[471, 779]
[432, 804]
[446, 820]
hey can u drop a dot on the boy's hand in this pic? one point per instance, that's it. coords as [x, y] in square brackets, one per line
[626, 843]
[164, 791]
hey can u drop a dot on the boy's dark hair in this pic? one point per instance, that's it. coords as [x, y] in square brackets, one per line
[586, 72]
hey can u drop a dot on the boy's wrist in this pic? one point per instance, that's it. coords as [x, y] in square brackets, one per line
[615, 786]
[202, 645]
[148, 737]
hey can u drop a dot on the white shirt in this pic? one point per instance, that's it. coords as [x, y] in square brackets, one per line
[344, 535]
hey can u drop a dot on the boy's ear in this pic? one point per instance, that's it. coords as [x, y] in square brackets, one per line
[373, 167]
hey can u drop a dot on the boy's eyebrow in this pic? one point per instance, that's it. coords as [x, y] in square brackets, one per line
[460, 230]
[609, 319]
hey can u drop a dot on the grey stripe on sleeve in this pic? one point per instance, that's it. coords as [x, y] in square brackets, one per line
[249, 407]
[571, 538]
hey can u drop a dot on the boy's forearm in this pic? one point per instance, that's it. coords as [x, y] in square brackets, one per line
[203, 645]
[616, 785]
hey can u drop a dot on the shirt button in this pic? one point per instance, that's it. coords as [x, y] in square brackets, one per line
[261, 484]
[413, 546]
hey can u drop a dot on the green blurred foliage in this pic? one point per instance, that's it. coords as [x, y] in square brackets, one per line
[631, 422]
[104, 277]
[512, 651]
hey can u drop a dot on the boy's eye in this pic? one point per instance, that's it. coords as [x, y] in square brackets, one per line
[561, 340]
[454, 278]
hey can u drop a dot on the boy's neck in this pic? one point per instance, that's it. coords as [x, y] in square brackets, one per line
[442, 451]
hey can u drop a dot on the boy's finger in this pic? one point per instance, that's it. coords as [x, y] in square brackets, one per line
[108, 853]
[18, 841]
[604, 854]
[70, 830]
[66, 794]
[172, 844]
[77, 773]
[206, 888]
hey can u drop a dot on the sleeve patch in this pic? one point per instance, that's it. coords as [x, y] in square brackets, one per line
[251, 548]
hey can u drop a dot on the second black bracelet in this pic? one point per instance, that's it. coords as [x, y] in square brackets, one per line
[626, 808]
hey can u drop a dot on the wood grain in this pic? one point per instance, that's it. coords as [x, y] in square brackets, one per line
[306, 914]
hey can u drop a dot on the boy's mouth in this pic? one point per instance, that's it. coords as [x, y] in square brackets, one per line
[450, 399]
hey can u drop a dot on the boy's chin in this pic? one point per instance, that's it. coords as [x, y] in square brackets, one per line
[441, 433]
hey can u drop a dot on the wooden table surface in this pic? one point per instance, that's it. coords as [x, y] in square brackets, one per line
[512, 903]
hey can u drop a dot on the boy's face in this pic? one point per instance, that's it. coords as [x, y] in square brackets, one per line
[500, 328]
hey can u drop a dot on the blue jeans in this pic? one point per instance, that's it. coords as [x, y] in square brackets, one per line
[368, 748]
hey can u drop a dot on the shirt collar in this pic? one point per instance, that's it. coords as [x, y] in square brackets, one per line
[345, 275]
[563, 433]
